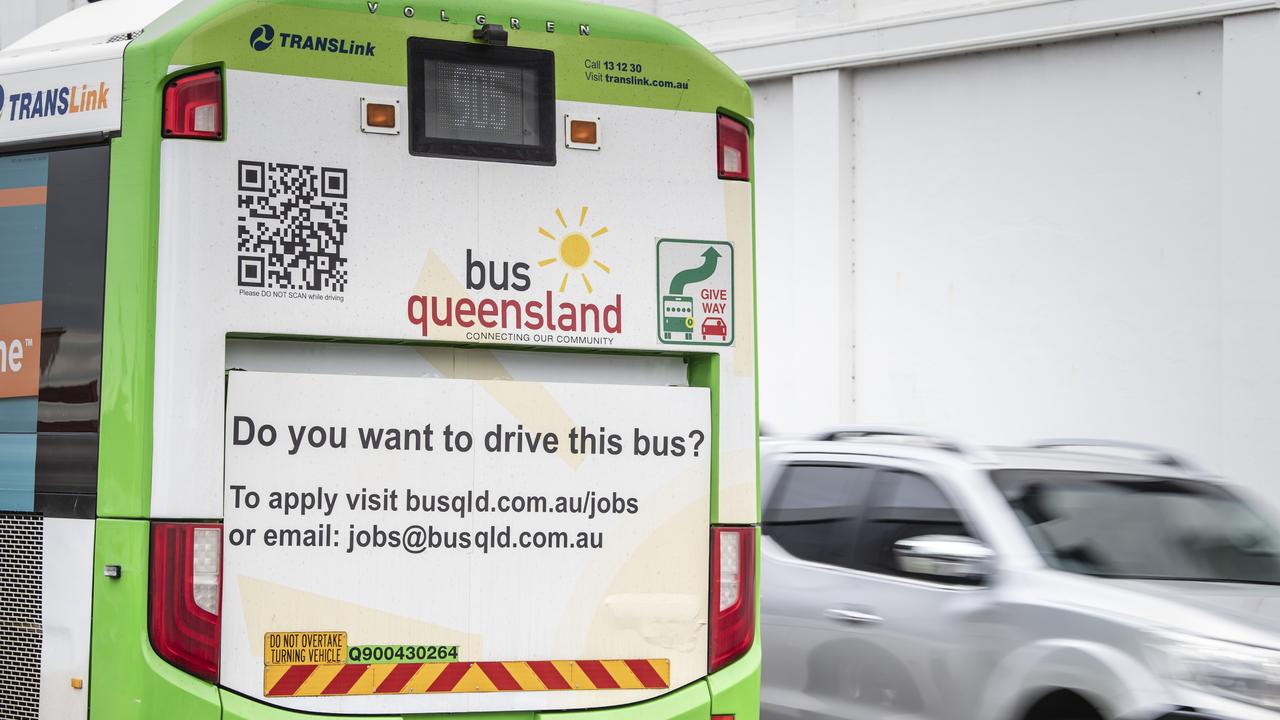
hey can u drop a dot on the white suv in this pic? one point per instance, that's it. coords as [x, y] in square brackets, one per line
[908, 576]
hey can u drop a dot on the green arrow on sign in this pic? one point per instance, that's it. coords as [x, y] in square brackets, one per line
[693, 275]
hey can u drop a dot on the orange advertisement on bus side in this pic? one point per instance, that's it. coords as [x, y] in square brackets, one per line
[20, 349]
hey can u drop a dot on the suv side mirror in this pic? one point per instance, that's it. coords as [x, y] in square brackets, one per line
[948, 558]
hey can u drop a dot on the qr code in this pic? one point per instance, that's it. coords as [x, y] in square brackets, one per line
[291, 227]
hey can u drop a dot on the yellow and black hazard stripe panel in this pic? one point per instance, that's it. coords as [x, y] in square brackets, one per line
[464, 677]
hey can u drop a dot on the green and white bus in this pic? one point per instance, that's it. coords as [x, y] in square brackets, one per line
[335, 377]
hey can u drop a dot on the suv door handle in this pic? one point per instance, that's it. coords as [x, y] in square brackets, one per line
[853, 616]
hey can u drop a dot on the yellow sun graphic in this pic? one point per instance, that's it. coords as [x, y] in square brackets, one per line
[574, 248]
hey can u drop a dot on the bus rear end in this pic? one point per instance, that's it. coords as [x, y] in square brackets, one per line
[403, 418]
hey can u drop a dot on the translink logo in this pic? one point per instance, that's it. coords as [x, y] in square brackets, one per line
[264, 36]
[261, 37]
[49, 102]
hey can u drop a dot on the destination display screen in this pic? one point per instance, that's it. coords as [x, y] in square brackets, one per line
[481, 102]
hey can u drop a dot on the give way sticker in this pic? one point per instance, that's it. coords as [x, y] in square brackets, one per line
[695, 292]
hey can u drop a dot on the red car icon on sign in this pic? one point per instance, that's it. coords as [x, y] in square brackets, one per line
[715, 326]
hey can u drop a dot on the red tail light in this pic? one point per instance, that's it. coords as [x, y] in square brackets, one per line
[186, 595]
[193, 106]
[733, 149]
[733, 593]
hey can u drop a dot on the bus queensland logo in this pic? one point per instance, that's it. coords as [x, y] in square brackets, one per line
[263, 37]
[544, 317]
[574, 249]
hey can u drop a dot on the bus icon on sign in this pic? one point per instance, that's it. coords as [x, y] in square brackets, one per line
[695, 292]
[677, 317]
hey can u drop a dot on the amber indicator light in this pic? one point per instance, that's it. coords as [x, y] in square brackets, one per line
[379, 115]
[582, 132]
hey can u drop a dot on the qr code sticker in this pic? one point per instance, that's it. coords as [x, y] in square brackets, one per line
[291, 227]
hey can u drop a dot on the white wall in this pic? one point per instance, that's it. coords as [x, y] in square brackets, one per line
[1069, 238]
[1039, 241]
[804, 196]
[734, 21]
[19, 17]
[775, 179]
[1250, 255]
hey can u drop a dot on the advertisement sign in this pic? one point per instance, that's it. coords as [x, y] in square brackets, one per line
[532, 545]
[23, 193]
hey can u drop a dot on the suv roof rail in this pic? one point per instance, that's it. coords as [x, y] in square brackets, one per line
[1161, 455]
[937, 440]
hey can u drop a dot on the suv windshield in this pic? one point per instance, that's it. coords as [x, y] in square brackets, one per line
[1133, 526]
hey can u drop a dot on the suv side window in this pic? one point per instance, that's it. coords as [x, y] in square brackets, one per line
[814, 512]
[903, 505]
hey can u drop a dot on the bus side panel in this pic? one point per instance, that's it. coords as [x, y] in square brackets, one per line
[65, 582]
[735, 690]
[128, 679]
[737, 474]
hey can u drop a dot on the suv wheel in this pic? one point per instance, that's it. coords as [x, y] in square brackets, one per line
[1063, 705]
